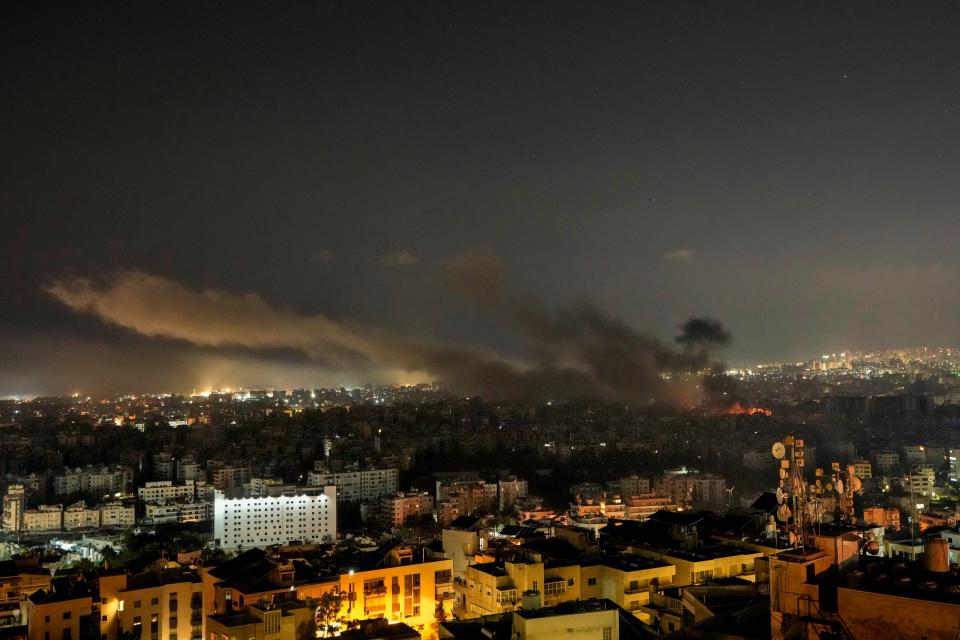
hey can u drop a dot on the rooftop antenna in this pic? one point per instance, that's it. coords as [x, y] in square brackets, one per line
[791, 492]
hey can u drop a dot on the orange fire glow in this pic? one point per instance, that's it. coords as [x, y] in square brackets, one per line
[738, 409]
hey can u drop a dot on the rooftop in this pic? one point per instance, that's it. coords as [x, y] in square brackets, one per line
[904, 579]
[569, 608]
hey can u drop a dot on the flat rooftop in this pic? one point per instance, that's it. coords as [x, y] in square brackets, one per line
[904, 579]
[568, 608]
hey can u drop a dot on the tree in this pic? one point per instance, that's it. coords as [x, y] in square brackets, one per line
[328, 612]
[439, 617]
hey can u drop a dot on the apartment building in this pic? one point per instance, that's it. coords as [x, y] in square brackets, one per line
[166, 490]
[306, 514]
[399, 508]
[356, 486]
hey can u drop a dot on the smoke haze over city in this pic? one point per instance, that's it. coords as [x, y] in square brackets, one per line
[334, 168]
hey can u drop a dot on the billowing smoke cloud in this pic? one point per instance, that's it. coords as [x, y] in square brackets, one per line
[620, 362]
[703, 333]
[571, 351]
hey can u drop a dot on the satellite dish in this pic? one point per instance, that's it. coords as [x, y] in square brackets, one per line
[783, 513]
[793, 538]
[780, 495]
[873, 547]
[778, 450]
[829, 486]
[839, 485]
[855, 484]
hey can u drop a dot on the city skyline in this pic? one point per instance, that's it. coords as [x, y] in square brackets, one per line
[788, 171]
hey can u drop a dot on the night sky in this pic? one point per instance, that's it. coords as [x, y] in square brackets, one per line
[170, 171]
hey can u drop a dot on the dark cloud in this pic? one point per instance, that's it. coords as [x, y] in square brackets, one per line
[703, 333]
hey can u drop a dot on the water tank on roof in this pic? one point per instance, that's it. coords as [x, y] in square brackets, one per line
[936, 555]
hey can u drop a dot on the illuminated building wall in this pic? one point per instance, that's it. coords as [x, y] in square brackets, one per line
[306, 514]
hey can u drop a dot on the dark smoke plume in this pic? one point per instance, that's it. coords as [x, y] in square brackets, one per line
[572, 351]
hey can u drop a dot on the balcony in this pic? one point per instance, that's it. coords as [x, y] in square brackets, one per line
[374, 590]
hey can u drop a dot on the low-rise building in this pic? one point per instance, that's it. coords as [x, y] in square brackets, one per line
[61, 612]
[286, 620]
[79, 516]
[117, 514]
[164, 601]
[166, 490]
[43, 518]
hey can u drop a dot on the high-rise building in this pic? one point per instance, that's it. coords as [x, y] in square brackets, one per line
[14, 502]
[922, 480]
[305, 514]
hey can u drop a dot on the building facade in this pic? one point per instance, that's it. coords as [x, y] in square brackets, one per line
[357, 486]
[305, 514]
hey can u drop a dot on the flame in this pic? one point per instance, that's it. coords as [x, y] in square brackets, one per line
[738, 409]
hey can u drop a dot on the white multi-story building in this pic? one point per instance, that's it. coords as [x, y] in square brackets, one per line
[160, 512]
[106, 481]
[96, 481]
[80, 516]
[43, 518]
[68, 483]
[357, 486]
[166, 490]
[180, 511]
[305, 514]
[922, 479]
[117, 514]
